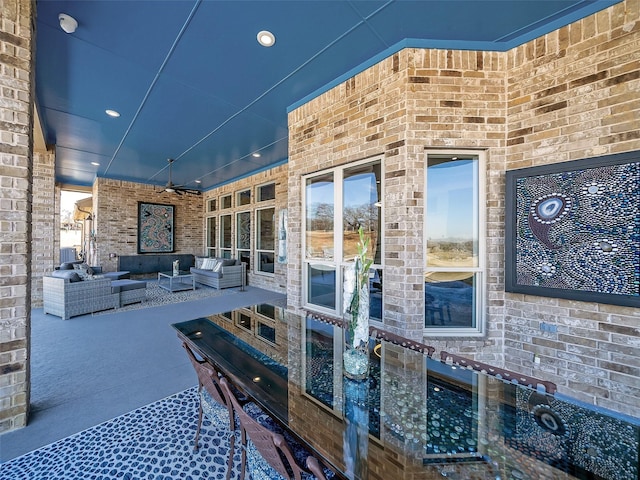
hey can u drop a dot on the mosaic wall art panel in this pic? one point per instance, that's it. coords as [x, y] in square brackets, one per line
[573, 230]
[155, 228]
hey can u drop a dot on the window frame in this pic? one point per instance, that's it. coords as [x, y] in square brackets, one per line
[222, 250]
[211, 250]
[258, 192]
[224, 198]
[238, 248]
[258, 251]
[480, 270]
[240, 195]
[337, 265]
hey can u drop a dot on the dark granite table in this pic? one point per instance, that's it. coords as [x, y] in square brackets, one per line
[414, 417]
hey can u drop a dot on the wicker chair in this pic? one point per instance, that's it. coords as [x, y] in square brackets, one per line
[212, 403]
[265, 453]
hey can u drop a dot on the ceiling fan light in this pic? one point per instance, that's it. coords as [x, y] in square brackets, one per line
[170, 190]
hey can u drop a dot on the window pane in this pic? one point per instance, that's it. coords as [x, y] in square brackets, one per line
[266, 262]
[267, 332]
[225, 228]
[361, 208]
[452, 211]
[267, 192]
[319, 216]
[245, 257]
[225, 201]
[319, 361]
[450, 300]
[322, 285]
[375, 293]
[244, 198]
[244, 321]
[211, 205]
[211, 232]
[265, 236]
[266, 310]
[243, 227]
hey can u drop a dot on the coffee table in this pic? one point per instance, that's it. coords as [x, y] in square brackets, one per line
[176, 283]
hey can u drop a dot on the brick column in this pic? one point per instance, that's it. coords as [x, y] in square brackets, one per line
[16, 147]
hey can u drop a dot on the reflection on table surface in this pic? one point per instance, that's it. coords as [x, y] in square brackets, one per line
[415, 417]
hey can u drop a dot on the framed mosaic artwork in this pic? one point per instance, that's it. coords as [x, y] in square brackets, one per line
[573, 230]
[155, 228]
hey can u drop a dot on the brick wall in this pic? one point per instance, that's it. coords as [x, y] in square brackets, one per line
[45, 241]
[115, 204]
[567, 95]
[409, 101]
[16, 170]
[572, 94]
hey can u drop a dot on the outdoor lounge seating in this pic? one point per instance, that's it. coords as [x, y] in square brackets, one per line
[129, 291]
[66, 294]
[66, 297]
[227, 274]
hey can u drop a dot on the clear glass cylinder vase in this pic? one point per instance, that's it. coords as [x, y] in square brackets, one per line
[355, 358]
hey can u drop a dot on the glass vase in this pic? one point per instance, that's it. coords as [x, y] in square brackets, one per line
[355, 357]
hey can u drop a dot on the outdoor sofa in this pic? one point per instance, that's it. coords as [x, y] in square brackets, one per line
[218, 272]
[70, 292]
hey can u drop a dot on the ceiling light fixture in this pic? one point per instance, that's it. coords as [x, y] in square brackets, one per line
[266, 38]
[67, 23]
[112, 113]
[256, 155]
[95, 164]
[198, 181]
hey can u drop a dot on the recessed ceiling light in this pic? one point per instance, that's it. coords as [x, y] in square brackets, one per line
[256, 155]
[266, 38]
[112, 113]
[96, 164]
[198, 181]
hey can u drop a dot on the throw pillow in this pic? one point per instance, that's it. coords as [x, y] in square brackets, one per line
[84, 271]
[208, 264]
[218, 266]
[228, 262]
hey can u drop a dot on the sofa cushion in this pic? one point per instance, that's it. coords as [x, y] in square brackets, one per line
[118, 286]
[116, 275]
[70, 275]
[218, 267]
[228, 262]
[208, 273]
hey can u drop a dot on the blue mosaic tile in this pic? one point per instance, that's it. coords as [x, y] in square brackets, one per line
[154, 442]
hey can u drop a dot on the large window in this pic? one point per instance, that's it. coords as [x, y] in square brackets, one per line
[225, 236]
[337, 203]
[211, 236]
[243, 237]
[265, 239]
[454, 257]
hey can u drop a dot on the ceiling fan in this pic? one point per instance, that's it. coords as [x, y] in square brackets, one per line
[179, 189]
